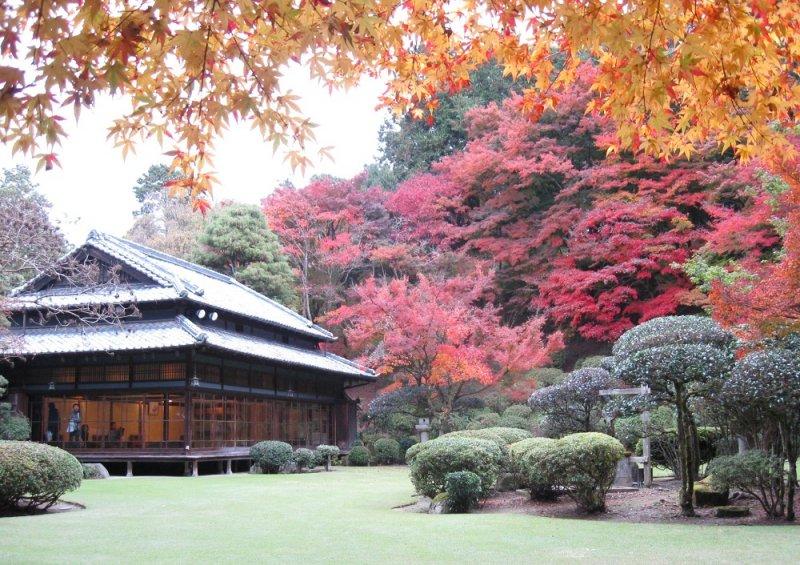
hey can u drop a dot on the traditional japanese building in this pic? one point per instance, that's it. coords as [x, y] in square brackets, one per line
[205, 367]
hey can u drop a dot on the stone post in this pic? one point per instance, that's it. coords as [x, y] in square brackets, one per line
[423, 426]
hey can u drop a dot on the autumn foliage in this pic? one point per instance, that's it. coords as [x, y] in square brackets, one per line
[440, 334]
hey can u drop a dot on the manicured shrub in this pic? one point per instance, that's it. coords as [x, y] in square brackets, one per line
[303, 459]
[463, 489]
[35, 475]
[324, 454]
[358, 456]
[757, 473]
[510, 435]
[271, 455]
[582, 464]
[485, 420]
[514, 422]
[486, 434]
[405, 443]
[444, 455]
[94, 471]
[503, 437]
[529, 454]
[14, 427]
[517, 451]
[386, 451]
[518, 411]
[414, 450]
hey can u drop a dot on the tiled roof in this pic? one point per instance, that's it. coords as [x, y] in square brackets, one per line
[79, 339]
[174, 278]
[177, 332]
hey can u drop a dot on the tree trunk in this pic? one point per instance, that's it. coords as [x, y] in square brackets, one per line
[684, 448]
[790, 452]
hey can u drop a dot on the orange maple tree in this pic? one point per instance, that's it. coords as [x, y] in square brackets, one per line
[670, 74]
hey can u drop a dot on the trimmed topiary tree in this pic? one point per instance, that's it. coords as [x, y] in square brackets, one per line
[574, 405]
[271, 455]
[444, 455]
[303, 459]
[767, 383]
[35, 475]
[358, 456]
[463, 490]
[385, 451]
[325, 453]
[677, 357]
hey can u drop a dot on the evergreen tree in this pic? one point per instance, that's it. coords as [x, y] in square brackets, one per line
[238, 242]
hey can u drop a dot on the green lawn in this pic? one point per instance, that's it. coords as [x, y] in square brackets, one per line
[345, 516]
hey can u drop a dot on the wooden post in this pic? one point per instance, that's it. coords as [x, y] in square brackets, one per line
[129, 469]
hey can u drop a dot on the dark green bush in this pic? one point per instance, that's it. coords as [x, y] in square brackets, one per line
[757, 473]
[528, 455]
[324, 454]
[15, 427]
[664, 447]
[405, 443]
[386, 451]
[94, 471]
[358, 456]
[502, 436]
[271, 455]
[444, 455]
[35, 475]
[414, 450]
[303, 459]
[518, 411]
[583, 464]
[515, 422]
[463, 490]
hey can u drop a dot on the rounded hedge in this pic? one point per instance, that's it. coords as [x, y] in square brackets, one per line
[303, 458]
[444, 455]
[414, 450]
[464, 490]
[528, 456]
[518, 411]
[271, 455]
[325, 453]
[35, 475]
[386, 451]
[584, 464]
[358, 456]
[15, 427]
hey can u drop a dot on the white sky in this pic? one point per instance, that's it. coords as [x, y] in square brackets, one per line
[92, 188]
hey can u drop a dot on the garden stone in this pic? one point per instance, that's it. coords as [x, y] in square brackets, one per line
[439, 504]
[732, 511]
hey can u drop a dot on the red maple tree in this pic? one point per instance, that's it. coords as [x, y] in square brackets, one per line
[441, 334]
